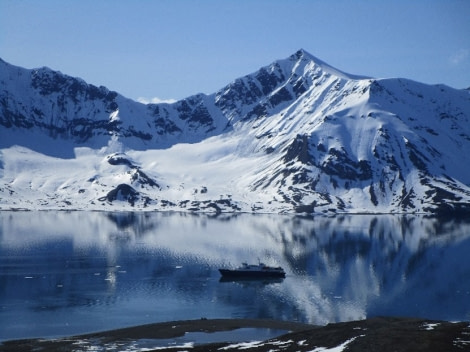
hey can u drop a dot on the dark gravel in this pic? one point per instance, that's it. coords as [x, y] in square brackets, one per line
[375, 334]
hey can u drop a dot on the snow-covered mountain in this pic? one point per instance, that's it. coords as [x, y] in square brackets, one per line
[295, 136]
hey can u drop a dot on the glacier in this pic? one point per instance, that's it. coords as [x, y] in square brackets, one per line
[296, 136]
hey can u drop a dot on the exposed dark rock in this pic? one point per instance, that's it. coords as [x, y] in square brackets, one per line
[299, 150]
[141, 177]
[407, 199]
[167, 203]
[165, 126]
[217, 206]
[10, 118]
[145, 136]
[339, 164]
[241, 90]
[194, 112]
[306, 208]
[269, 80]
[119, 159]
[282, 95]
[418, 159]
[122, 192]
[84, 128]
[269, 150]
[299, 87]
[258, 111]
[47, 81]
[373, 197]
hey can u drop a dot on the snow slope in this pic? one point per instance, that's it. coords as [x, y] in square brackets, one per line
[295, 136]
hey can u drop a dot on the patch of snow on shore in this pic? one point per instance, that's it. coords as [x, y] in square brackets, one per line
[339, 348]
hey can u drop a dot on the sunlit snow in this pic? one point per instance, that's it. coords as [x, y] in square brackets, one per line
[295, 136]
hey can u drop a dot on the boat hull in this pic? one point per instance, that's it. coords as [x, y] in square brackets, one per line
[252, 274]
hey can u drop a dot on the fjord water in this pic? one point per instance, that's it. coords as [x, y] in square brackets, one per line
[66, 273]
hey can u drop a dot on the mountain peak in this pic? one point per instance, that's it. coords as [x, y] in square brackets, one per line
[304, 55]
[297, 136]
[301, 53]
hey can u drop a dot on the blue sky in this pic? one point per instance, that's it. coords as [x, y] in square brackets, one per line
[176, 48]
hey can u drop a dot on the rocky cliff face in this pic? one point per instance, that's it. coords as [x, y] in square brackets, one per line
[295, 136]
[67, 108]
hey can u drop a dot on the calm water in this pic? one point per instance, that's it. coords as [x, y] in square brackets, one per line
[64, 273]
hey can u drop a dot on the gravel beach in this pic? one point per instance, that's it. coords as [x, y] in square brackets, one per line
[375, 334]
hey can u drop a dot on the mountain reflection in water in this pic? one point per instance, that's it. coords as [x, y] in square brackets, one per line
[64, 273]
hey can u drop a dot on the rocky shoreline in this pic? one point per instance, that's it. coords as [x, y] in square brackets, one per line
[374, 334]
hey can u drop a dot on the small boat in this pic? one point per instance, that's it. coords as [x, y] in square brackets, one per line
[252, 271]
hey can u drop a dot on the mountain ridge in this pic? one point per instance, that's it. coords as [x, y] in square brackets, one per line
[295, 136]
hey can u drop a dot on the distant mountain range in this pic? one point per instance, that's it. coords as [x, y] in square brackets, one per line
[297, 136]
